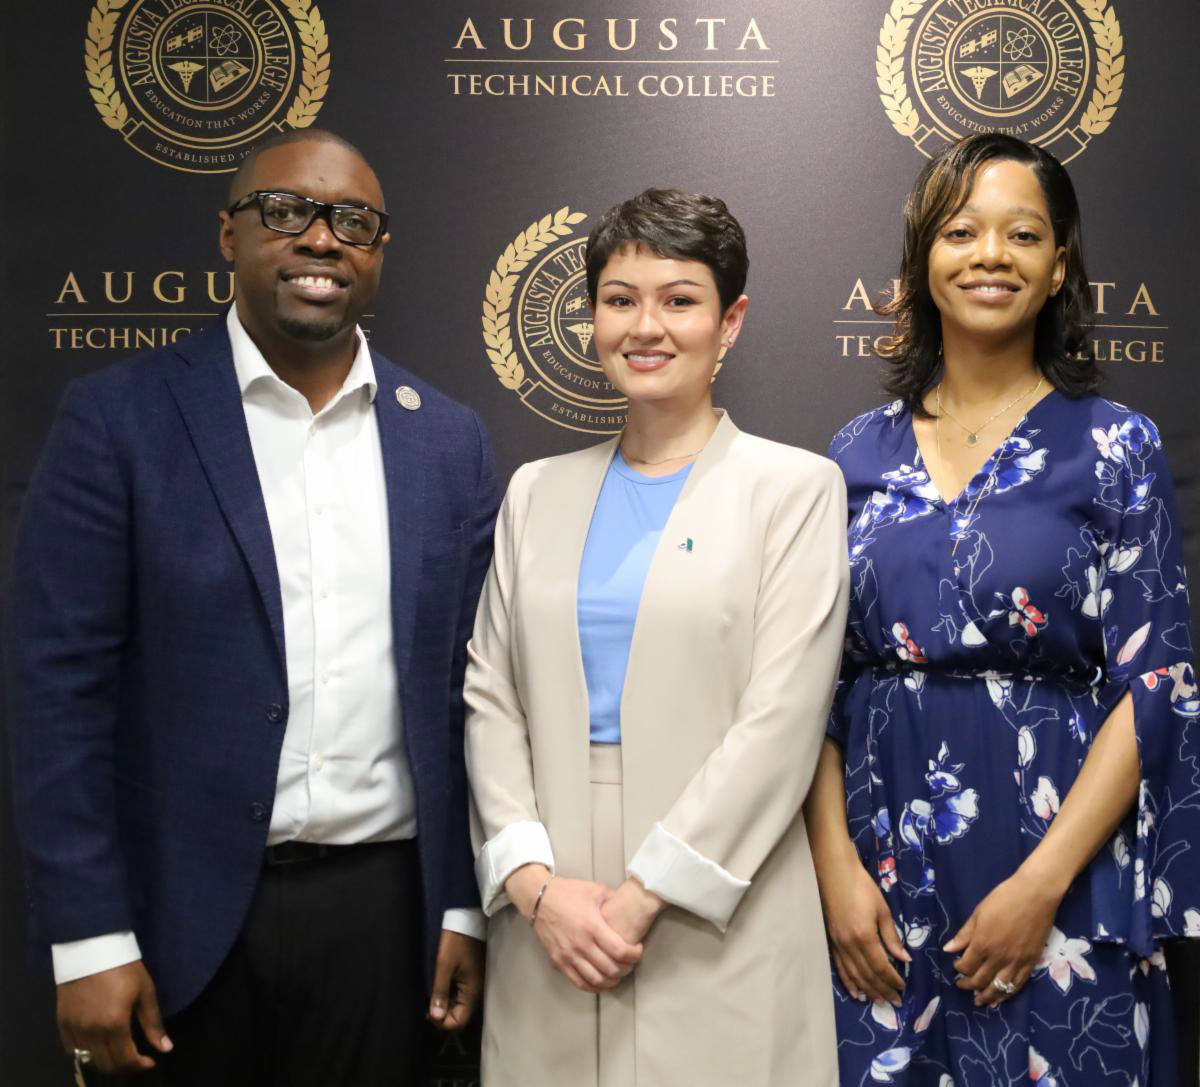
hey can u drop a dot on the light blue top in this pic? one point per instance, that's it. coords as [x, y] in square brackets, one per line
[630, 515]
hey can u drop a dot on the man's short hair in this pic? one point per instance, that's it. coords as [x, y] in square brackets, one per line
[239, 185]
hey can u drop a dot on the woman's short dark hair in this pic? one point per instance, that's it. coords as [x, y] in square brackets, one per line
[1061, 348]
[676, 225]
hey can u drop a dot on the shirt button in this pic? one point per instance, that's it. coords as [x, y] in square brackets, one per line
[324, 594]
[316, 762]
[319, 509]
[274, 713]
[324, 677]
[258, 812]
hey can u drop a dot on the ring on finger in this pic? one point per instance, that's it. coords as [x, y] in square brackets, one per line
[1006, 987]
[82, 1058]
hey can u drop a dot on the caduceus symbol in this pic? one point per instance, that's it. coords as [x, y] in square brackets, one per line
[186, 69]
[583, 332]
[979, 76]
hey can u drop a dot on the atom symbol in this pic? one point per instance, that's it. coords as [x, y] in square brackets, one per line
[1018, 44]
[225, 39]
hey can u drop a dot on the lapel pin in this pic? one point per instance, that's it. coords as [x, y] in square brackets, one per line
[408, 397]
[685, 544]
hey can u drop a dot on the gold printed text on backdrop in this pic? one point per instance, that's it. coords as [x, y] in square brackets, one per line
[1048, 71]
[537, 328]
[191, 84]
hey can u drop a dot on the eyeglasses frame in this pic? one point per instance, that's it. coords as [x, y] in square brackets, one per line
[320, 210]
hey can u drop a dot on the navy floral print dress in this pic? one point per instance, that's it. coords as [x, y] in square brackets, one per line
[989, 639]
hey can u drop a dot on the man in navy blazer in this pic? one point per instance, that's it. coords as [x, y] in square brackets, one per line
[246, 573]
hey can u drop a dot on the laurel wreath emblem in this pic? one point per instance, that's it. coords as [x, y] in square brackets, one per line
[314, 71]
[889, 65]
[1110, 66]
[893, 90]
[498, 294]
[97, 62]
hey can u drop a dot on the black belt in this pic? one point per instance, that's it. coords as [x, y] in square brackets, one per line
[304, 852]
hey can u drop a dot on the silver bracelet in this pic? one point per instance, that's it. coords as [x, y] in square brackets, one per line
[537, 902]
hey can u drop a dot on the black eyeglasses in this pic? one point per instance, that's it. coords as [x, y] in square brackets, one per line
[287, 213]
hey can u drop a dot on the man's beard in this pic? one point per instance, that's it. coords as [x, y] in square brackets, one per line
[313, 331]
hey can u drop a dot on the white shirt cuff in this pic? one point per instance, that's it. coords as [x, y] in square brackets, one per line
[470, 922]
[81, 958]
[516, 845]
[673, 870]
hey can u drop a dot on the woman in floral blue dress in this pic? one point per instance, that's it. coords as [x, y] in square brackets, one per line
[1006, 815]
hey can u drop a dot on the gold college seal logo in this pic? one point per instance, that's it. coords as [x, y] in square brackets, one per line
[192, 84]
[1048, 71]
[537, 328]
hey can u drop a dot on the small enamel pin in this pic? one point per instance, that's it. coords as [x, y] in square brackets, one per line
[685, 544]
[408, 397]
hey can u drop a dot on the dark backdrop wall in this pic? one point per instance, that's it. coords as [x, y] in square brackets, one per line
[500, 132]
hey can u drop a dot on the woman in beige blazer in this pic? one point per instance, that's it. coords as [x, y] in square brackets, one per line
[654, 918]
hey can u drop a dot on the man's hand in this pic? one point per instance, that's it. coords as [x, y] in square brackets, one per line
[96, 1013]
[457, 981]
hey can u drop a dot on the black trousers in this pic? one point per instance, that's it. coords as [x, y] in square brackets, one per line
[323, 988]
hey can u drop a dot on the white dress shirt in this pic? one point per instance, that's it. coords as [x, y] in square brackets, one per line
[343, 772]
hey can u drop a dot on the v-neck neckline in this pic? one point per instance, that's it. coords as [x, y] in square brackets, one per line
[985, 469]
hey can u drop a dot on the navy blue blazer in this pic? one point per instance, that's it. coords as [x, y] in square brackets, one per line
[146, 665]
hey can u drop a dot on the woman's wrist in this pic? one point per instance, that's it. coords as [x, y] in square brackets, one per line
[646, 904]
[1046, 874]
[523, 886]
[834, 857]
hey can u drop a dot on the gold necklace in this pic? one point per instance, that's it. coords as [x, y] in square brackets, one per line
[973, 435]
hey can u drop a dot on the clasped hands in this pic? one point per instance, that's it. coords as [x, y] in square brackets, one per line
[593, 933]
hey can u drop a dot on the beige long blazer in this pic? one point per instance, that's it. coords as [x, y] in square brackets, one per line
[729, 683]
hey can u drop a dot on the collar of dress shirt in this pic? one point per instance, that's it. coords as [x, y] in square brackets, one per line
[251, 367]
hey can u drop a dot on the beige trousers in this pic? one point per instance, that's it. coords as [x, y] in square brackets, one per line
[615, 1057]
